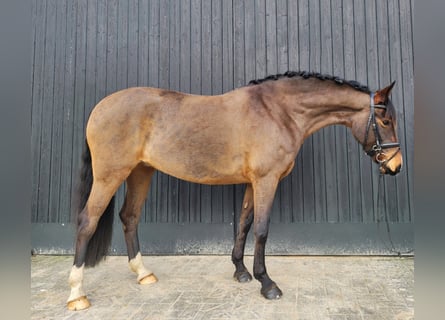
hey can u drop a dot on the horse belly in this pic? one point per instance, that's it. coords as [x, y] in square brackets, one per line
[197, 159]
[198, 168]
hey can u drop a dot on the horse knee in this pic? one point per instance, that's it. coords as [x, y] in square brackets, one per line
[261, 234]
[129, 221]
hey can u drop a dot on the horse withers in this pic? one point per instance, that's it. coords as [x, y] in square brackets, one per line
[250, 135]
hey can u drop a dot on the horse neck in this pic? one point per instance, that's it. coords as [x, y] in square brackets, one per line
[325, 106]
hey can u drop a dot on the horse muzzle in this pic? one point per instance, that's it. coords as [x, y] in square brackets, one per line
[391, 172]
[390, 163]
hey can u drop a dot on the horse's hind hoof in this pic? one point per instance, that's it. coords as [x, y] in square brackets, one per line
[243, 276]
[272, 293]
[78, 304]
[151, 278]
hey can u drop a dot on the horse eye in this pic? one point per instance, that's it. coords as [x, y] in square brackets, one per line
[386, 122]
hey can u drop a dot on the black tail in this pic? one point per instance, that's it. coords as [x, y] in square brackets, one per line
[100, 242]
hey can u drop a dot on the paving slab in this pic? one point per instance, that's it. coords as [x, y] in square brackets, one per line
[202, 288]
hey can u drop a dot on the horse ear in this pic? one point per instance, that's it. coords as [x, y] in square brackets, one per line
[382, 95]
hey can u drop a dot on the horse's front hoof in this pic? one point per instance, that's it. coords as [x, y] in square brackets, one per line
[272, 293]
[151, 278]
[243, 276]
[78, 304]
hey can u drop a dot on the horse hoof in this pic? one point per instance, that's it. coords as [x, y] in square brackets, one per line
[78, 304]
[272, 293]
[243, 276]
[151, 278]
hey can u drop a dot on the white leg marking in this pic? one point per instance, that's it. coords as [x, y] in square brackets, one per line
[75, 281]
[136, 265]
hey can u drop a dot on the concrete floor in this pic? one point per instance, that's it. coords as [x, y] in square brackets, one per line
[202, 287]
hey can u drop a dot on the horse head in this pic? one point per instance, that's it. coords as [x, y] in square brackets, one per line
[376, 129]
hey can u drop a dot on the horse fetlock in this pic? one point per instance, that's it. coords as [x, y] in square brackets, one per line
[144, 276]
[75, 281]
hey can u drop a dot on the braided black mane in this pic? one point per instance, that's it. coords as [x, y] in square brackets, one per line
[304, 74]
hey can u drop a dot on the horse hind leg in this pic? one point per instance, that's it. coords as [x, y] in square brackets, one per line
[99, 203]
[241, 274]
[138, 184]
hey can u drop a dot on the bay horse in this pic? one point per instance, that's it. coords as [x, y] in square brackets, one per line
[250, 135]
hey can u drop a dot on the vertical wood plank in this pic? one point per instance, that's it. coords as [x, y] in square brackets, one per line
[143, 23]
[68, 67]
[38, 111]
[260, 41]
[195, 50]
[101, 50]
[133, 43]
[164, 42]
[48, 102]
[282, 36]
[57, 213]
[90, 59]
[239, 44]
[122, 44]
[79, 86]
[405, 109]
[292, 38]
[303, 34]
[112, 32]
[251, 34]
[271, 37]
[45, 215]
[35, 106]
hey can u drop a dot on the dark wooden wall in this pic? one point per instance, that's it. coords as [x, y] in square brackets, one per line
[85, 50]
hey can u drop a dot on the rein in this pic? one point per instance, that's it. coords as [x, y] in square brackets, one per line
[378, 147]
[381, 199]
[377, 150]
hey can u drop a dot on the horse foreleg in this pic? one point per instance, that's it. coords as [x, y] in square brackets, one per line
[246, 218]
[138, 184]
[264, 192]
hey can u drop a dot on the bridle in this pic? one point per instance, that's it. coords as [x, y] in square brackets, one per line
[377, 149]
